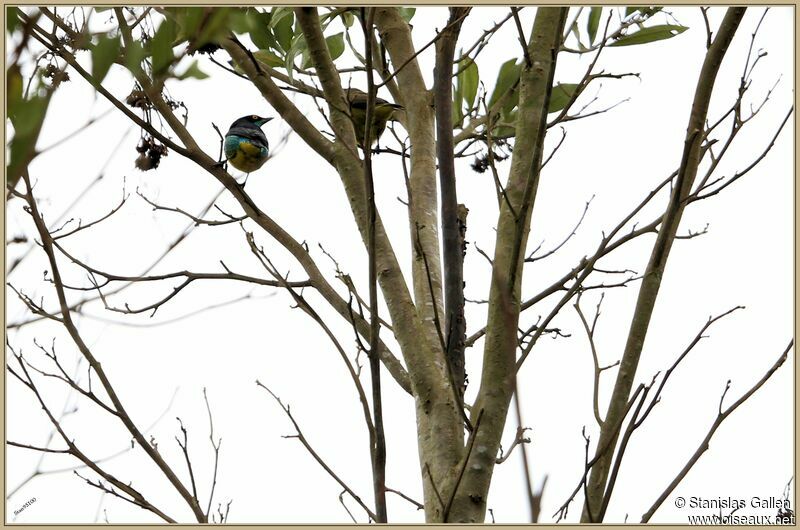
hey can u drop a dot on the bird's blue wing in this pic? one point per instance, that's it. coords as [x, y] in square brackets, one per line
[254, 135]
[231, 145]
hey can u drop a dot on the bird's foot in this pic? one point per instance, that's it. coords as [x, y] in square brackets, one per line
[222, 164]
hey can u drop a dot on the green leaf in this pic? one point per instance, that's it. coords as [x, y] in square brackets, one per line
[468, 79]
[407, 13]
[215, 27]
[305, 59]
[268, 58]
[506, 78]
[134, 55]
[243, 20]
[13, 89]
[27, 121]
[283, 29]
[646, 11]
[651, 34]
[511, 100]
[278, 14]
[593, 23]
[348, 19]
[560, 96]
[161, 46]
[297, 47]
[104, 53]
[265, 57]
[576, 30]
[30, 115]
[193, 71]
[458, 113]
[335, 45]
[12, 19]
[261, 34]
[188, 20]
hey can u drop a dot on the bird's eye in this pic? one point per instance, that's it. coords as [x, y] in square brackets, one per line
[254, 117]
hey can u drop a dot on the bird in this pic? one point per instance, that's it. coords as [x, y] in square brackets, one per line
[383, 112]
[246, 146]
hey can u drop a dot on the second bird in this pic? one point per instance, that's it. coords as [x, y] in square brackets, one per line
[382, 114]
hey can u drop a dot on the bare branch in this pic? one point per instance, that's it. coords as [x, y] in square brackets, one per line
[721, 416]
[299, 435]
[519, 439]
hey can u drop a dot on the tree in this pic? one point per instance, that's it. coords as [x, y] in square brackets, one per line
[415, 330]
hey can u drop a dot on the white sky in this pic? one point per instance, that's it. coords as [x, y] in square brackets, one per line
[617, 157]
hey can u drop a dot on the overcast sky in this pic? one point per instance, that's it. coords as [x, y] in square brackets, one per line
[614, 158]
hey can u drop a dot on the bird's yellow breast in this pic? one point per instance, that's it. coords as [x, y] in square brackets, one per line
[247, 158]
[249, 149]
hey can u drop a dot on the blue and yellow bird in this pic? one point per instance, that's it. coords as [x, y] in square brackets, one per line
[246, 146]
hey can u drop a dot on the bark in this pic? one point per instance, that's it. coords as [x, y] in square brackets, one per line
[499, 367]
[379, 440]
[423, 200]
[452, 256]
[654, 272]
[439, 426]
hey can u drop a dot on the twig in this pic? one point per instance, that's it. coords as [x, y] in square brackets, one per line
[531, 258]
[428, 45]
[562, 511]
[721, 416]
[185, 449]
[47, 245]
[418, 505]
[519, 439]
[313, 453]
[216, 447]
[521, 36]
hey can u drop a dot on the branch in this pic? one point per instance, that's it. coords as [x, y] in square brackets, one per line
[531, 257]
[291, 115]
[597, 369]
[47, 245]
[519, 439]
[589, 464]
[303, 304]
[314, 454]
[453, 253]
[497, 377]
[134, 496]
[655, 269]
[216, 447]
[378, 445]
[721, 416]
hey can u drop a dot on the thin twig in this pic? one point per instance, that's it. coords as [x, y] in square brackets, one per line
[314, 454]
[721, 416]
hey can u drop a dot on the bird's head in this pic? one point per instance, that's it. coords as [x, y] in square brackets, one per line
[253, 119]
